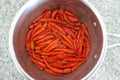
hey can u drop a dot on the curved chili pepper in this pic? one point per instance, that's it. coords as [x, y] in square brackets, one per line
[55, 35]
[70, 39]
[80, 47]
[86, 49]
[40, 30]
[48, 14]
[67, 70]
[72, 19]
[49, 37]
[70, 64]
[39, 47]
[52, 43]
[52, 20]
[28, 36]
[69, 32]
[65, 38]
[28, 47]
[31, 26]
[41, 36]
[34, 25]
[51, 72]
[84, 28]
[54, 13]
[38, 63]
[58, 57]
[52, 68]
[51, 28]
[77, 65]
[57, 27]
[69, 13]
[69, 22]
[36, 57]
[44, 42]
[74, 43]
[66, 44]
[36, 28]
[52, 46]
[56, 64]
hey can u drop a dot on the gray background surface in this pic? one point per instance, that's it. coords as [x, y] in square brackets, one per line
[110, 12]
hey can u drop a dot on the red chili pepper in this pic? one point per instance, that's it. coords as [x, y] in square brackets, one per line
[40, 30]
[53, 46]
[80, 46]
[41, 36]
[52, 20]
[38, 63]
[31, 26]
[48, 14]
[52, 43]
[28, 36]
[54, 13]
[70, 64]
[70, 22]
[49, 37]
[66, 44]
[67, 70]
[52, 68]
[58, 57]
[86, 49]
[37, 57]
[77, 65]
[51, 28]
[51, 72]
[39, 47]
[69, 13]
[57, 27]
[65, 38]
[56, 64]
[71, 17]
[69, 32]
[83, 27]
[36, 28]
[44, 42]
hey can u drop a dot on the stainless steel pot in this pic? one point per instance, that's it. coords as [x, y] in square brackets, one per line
[84, 11]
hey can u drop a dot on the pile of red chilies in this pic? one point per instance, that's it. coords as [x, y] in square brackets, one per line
[57, 42]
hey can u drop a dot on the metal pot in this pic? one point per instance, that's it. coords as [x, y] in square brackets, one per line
[84, 11]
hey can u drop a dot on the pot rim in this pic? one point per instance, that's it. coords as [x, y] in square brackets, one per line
[28, 4]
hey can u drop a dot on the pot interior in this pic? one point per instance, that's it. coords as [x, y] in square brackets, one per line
[83, 12]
